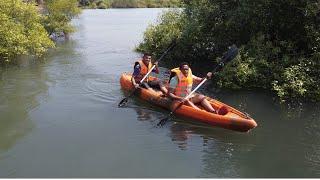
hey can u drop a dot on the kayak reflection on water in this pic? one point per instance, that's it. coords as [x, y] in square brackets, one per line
[179, 133]
[143, 114]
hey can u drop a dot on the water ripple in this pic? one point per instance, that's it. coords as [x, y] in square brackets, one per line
[101, 89]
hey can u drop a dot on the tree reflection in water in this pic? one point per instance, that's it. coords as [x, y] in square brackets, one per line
[20, 87]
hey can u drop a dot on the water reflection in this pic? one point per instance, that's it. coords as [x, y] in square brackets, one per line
[309, 138]
[143, 114]
[219, 160]
[286, 143]
[21, 87]
[182, 131]
[179, 134]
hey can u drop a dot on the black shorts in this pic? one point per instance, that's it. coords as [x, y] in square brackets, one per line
[152, 84]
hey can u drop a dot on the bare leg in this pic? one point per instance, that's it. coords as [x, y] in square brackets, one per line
[204, 102]
[146, 85]
[188, 102]
[157, 84]
[164, 90]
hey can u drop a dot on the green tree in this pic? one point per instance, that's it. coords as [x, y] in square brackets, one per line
[279, 43]
[129, 3]
[59, 15]
[21, 31]
[158, 36]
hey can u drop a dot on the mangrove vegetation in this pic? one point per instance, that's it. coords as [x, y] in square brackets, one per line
[103, 4]
[279, 43]
[26, 27]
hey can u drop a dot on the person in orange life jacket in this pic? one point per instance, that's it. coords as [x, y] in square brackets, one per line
[141, 68]
[181, 81]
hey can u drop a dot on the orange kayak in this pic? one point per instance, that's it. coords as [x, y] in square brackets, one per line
[227, 116]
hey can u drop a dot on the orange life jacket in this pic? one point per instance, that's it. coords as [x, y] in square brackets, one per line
[143, 71]
[184, 85]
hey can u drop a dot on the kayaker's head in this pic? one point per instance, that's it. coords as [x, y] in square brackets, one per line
[146, 58]
[184, 68]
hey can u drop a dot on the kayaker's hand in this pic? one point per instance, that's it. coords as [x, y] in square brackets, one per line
[155, 63]
[209, 75]
[136, 86]
[184, 100]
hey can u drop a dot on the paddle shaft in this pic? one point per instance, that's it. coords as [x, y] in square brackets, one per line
[147, 74]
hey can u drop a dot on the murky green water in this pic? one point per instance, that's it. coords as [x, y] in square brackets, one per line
[59, 118]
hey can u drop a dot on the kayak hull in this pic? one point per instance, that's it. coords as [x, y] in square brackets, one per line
[227, 116]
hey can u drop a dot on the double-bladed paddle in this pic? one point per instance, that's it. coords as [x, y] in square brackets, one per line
[227, 57]
[124, 101]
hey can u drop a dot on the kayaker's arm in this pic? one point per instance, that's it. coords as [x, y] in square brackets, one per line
[198, 80]
[156, 69]
[134, 82]
[182, 100]
[174, 97]
[136, 71]
[172, 84]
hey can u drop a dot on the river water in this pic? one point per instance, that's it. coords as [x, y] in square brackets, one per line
[59, 118]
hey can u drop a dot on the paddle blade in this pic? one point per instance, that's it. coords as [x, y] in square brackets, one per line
[230, 54]
[123, 102]
[163, 121]
[227, 57]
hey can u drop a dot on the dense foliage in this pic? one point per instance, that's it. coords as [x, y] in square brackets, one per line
[26, 26]
[21, 31]
[158, 37]
[102, 4]
[279, 43]
[59, 14]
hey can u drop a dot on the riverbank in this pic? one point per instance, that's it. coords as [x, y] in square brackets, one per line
[104, 4]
